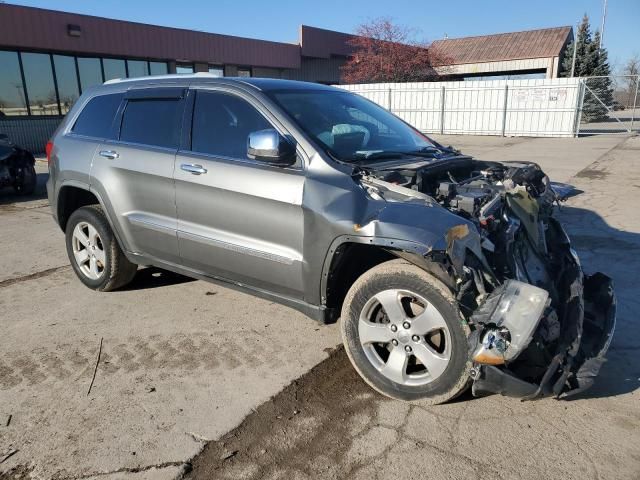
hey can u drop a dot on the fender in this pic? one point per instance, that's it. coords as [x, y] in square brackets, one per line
[115, 227]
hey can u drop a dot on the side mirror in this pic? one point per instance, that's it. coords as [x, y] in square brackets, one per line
[270, 147]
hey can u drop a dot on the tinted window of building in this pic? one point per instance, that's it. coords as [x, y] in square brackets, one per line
[184, 68]
[244, 72]
[41, 91]
[90, 72]
[137, 68]
[12, 98]
[113, 68]
[67, 79]
[222, 123]
[97, 116]
[158, 68]
[217, 71]
[152, 122]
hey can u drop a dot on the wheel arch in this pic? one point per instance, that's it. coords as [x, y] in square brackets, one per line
[72, 196]
[351, 256]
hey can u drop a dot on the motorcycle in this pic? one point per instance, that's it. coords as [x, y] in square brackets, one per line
[17, 167]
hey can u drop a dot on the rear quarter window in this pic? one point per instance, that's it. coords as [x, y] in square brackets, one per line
[97, 116]
[153, 122]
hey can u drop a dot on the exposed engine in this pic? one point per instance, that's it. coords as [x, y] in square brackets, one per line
[509, 203]
[517, 289]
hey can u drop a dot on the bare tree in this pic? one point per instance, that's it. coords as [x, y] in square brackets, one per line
[632, 68]
[386, 52]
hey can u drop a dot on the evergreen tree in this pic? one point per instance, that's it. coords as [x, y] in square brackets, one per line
[591, 61]
[584, 61]
[600, 91]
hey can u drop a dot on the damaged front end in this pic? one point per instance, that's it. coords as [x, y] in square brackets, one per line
[540, 326]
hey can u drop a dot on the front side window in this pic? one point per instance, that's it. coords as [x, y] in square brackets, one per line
[221, 124]
[97, 116]
[349, 127]
[12, 95]
[41, 91]
[154, 122]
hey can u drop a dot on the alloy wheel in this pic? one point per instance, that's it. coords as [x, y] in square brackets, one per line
[88, 250]
[404, 337]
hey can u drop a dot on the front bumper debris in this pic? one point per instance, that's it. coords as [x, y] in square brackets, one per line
[587, 328]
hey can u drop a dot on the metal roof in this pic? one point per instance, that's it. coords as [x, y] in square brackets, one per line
[544, 43]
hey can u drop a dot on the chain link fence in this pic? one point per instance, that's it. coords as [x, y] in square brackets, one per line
[609, 105]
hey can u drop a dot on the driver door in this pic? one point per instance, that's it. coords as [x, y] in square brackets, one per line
[239, 219]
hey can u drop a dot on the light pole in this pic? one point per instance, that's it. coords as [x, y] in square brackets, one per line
[604, 18]
[575, 49]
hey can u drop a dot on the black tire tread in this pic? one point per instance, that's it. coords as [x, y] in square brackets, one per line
[121, 271]
[383, 271]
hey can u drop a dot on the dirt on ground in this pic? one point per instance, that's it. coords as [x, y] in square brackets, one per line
[306, 426]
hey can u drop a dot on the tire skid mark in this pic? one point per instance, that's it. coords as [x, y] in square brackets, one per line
[176, 353]
[33, 276]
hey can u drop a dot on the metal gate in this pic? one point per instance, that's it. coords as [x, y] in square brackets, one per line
[609, 105]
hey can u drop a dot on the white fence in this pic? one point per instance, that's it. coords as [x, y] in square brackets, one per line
[536, 108]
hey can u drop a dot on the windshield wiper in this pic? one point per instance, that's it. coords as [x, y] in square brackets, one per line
[377, 154]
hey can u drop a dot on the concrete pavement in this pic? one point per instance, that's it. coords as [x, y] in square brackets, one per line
[184, 362]
[344, 430]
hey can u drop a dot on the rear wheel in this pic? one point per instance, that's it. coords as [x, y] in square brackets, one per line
[94, 252]
[404, 334]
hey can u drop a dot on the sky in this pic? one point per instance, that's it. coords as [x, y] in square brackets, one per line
[279, 19]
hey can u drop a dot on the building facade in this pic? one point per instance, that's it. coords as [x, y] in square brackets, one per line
[48, 58]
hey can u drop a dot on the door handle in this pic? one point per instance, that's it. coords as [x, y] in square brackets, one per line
[110, 154]
[193, 168]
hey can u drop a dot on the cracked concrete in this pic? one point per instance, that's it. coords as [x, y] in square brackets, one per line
[357, 434]
[174, 373]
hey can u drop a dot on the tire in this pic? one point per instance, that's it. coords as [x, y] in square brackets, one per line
[88, 234]
[418, 303]
[26, 180]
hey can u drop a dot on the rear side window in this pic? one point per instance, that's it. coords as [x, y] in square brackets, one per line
[222, 123]
[152, 122]
[96, 117]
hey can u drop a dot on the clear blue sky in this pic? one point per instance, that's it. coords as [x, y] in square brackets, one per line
[279, 19]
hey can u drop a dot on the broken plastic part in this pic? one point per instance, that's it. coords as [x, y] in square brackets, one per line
[493, 347]
[517, 307]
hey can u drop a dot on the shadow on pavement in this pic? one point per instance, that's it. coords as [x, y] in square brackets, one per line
[8, 195]
[152, 277]
[615, 253]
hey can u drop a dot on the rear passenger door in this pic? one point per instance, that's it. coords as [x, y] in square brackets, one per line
[238, 218]
[135, 170]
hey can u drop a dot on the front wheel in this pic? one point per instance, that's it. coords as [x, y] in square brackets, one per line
[404, 334]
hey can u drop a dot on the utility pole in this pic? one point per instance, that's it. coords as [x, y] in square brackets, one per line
[604, 18]
[575, 50]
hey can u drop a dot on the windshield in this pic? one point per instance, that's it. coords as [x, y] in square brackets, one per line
[350, 127]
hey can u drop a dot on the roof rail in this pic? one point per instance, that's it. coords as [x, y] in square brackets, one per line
[161, 77]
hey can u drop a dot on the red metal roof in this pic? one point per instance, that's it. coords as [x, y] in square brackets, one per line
[543, 43]
[40, 29]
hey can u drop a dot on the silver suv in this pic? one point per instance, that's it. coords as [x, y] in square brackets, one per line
[444, 270]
